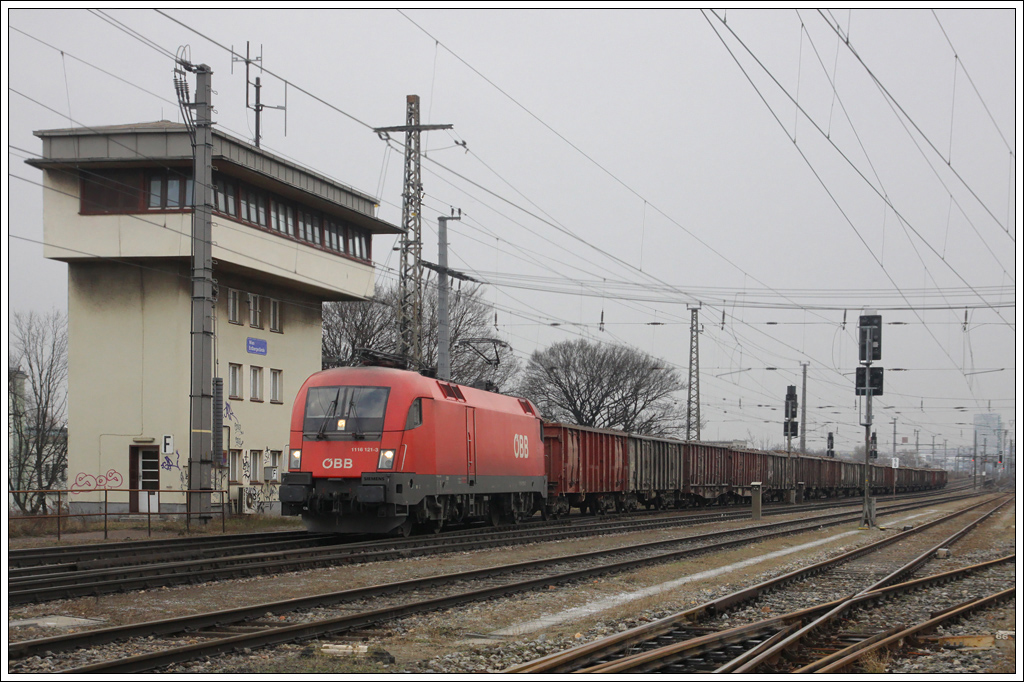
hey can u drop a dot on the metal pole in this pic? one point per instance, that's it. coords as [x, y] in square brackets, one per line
[201, 394]
[803, 411]
[868, 516]
[444, 360]
[258, 109]
[894, 437]
[974, 459]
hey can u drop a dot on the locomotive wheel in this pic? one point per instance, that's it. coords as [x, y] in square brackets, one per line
[495, 513]
[405, 529]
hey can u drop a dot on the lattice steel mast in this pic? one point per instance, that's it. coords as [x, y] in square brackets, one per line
[410, 275]
[693, 392]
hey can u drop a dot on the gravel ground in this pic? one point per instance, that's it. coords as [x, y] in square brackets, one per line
[461, 640]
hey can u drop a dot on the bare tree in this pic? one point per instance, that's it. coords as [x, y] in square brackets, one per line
[374, 325]
[37, 370]
[614, 387]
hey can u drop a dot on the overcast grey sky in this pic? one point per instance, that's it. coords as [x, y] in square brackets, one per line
[785, 169]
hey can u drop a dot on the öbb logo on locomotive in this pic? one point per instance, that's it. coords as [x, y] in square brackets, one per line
[521, 446]
[337, 463]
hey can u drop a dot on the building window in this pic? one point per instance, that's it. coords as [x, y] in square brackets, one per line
[111, 191]
[309, 227]
[276, 381]
[334, 236]
[256, 383]
[275, 459]
[275, 315]
[282, 217]
[255, 317]
[234, 306]
[359, 245]
[169, 191]
[254, 207]
[225, 196]
[234, 463]
[235, 381]
[255, 466]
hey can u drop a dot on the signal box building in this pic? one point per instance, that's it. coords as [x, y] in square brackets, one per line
[117, 209]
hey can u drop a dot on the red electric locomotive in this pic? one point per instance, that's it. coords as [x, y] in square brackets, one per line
[382, 450]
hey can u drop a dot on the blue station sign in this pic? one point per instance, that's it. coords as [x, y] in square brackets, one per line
[255, 346]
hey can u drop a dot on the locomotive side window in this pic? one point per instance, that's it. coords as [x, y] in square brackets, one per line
[415, 415]
[345, 412]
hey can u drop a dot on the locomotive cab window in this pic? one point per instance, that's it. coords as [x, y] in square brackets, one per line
[345, 412]
[415, 417]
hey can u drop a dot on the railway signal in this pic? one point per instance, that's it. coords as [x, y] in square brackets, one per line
[869, 383]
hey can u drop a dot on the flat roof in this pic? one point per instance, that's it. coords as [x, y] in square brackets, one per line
[167, 142]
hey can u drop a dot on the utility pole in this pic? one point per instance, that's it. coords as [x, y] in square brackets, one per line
[803, 411]
[410, 275]
[894, 437]
[444, 362]
[200, 457]
[693, 392]
[974, 460]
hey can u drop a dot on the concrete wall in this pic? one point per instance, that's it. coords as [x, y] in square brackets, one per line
[129, 366]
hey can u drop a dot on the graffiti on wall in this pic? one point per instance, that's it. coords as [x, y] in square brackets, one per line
[167, 464]
[258, 496]
[236, 425]
[255, 496]
[84, 481]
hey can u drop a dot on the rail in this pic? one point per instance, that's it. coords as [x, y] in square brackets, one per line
[61, 511]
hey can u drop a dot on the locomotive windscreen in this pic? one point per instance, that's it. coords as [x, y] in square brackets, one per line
[345, 412]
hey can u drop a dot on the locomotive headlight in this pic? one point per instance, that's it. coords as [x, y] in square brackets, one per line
[386, 460]
[295, 459]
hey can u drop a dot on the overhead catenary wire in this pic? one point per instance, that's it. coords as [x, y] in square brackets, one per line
[272, 238]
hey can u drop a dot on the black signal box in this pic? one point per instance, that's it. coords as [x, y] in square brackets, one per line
[872, 380]
[870, 338]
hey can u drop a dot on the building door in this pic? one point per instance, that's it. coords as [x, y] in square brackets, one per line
[144, 475]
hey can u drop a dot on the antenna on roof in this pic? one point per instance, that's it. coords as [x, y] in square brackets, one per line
[258, 106]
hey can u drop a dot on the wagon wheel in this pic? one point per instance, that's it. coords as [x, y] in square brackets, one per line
[495, 512]
[405, 529]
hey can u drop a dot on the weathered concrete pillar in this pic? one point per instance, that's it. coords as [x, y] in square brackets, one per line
[800, 491]
[755, 500]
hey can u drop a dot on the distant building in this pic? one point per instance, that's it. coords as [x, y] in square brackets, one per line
[117, 210]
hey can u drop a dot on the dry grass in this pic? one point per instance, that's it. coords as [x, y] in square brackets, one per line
[875, 662]
[313, 662]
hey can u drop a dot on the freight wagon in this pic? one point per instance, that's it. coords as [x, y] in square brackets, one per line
[383, 450]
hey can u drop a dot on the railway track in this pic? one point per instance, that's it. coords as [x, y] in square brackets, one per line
[688, 642]
[328, 614]
[79, 557]
[52, 560]
[109, 575]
